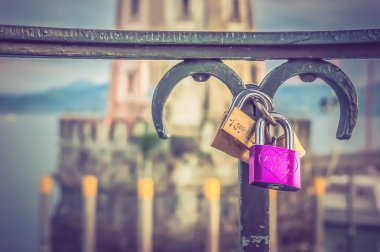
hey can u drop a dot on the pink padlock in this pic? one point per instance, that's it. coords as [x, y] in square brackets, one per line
[275, 167]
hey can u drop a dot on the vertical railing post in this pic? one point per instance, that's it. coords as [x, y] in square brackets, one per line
[212, 194]
[46, 190]
[254, 214]
[89, 192]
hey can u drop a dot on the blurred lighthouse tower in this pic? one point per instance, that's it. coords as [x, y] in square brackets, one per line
[128, 94]
[114, 154]
[133, 81]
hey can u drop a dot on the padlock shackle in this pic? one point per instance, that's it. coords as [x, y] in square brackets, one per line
[180, 71]
[262, 123]
[332, 75]
[251, 93]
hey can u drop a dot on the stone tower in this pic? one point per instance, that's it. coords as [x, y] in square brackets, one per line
[133, 82]
[112, 151]
[114, 154]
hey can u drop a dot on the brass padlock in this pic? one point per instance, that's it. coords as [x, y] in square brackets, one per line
[239, 125]
[236, 133]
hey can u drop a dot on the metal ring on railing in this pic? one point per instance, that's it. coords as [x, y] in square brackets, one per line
[199, 68]
[332, 75]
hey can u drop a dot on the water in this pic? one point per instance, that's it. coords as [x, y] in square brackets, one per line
[366, 239]
[323, 141]
[29, 149]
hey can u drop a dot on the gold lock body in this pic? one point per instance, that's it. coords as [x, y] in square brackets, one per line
[237, 126]
[235, 135]
[240, 127]
[226, 144]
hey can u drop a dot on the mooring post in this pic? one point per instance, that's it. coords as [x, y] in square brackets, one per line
[145, 195]
[254, 214]
[319, 191]
[46, 192]
[89, 192]
[212, 194]
[273, 220]
[350, 212]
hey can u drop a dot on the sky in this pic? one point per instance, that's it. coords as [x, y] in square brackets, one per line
[33, 75]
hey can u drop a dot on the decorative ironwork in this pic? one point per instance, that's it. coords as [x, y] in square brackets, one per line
[332, 75]
[179, 72]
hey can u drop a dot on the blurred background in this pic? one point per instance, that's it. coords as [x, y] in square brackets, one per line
[62, 120]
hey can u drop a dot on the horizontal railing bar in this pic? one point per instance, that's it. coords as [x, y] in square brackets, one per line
[25, 41]
[360, 51]
[29, 33]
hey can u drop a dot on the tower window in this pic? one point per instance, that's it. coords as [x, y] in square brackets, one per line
[235, 11]
[131, 78]
[135, 8]
[186, 8]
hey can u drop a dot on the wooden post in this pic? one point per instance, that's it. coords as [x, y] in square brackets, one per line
[212, 194]
[273, 220]
[254, 214]
[145, 195]
[350, 203]
[46, 191]
[89, 192]
[319, 191]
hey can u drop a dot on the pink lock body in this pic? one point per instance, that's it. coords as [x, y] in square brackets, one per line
[274, 167]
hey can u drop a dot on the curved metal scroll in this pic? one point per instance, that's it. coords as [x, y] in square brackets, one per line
[186, 68]
[328, 72]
